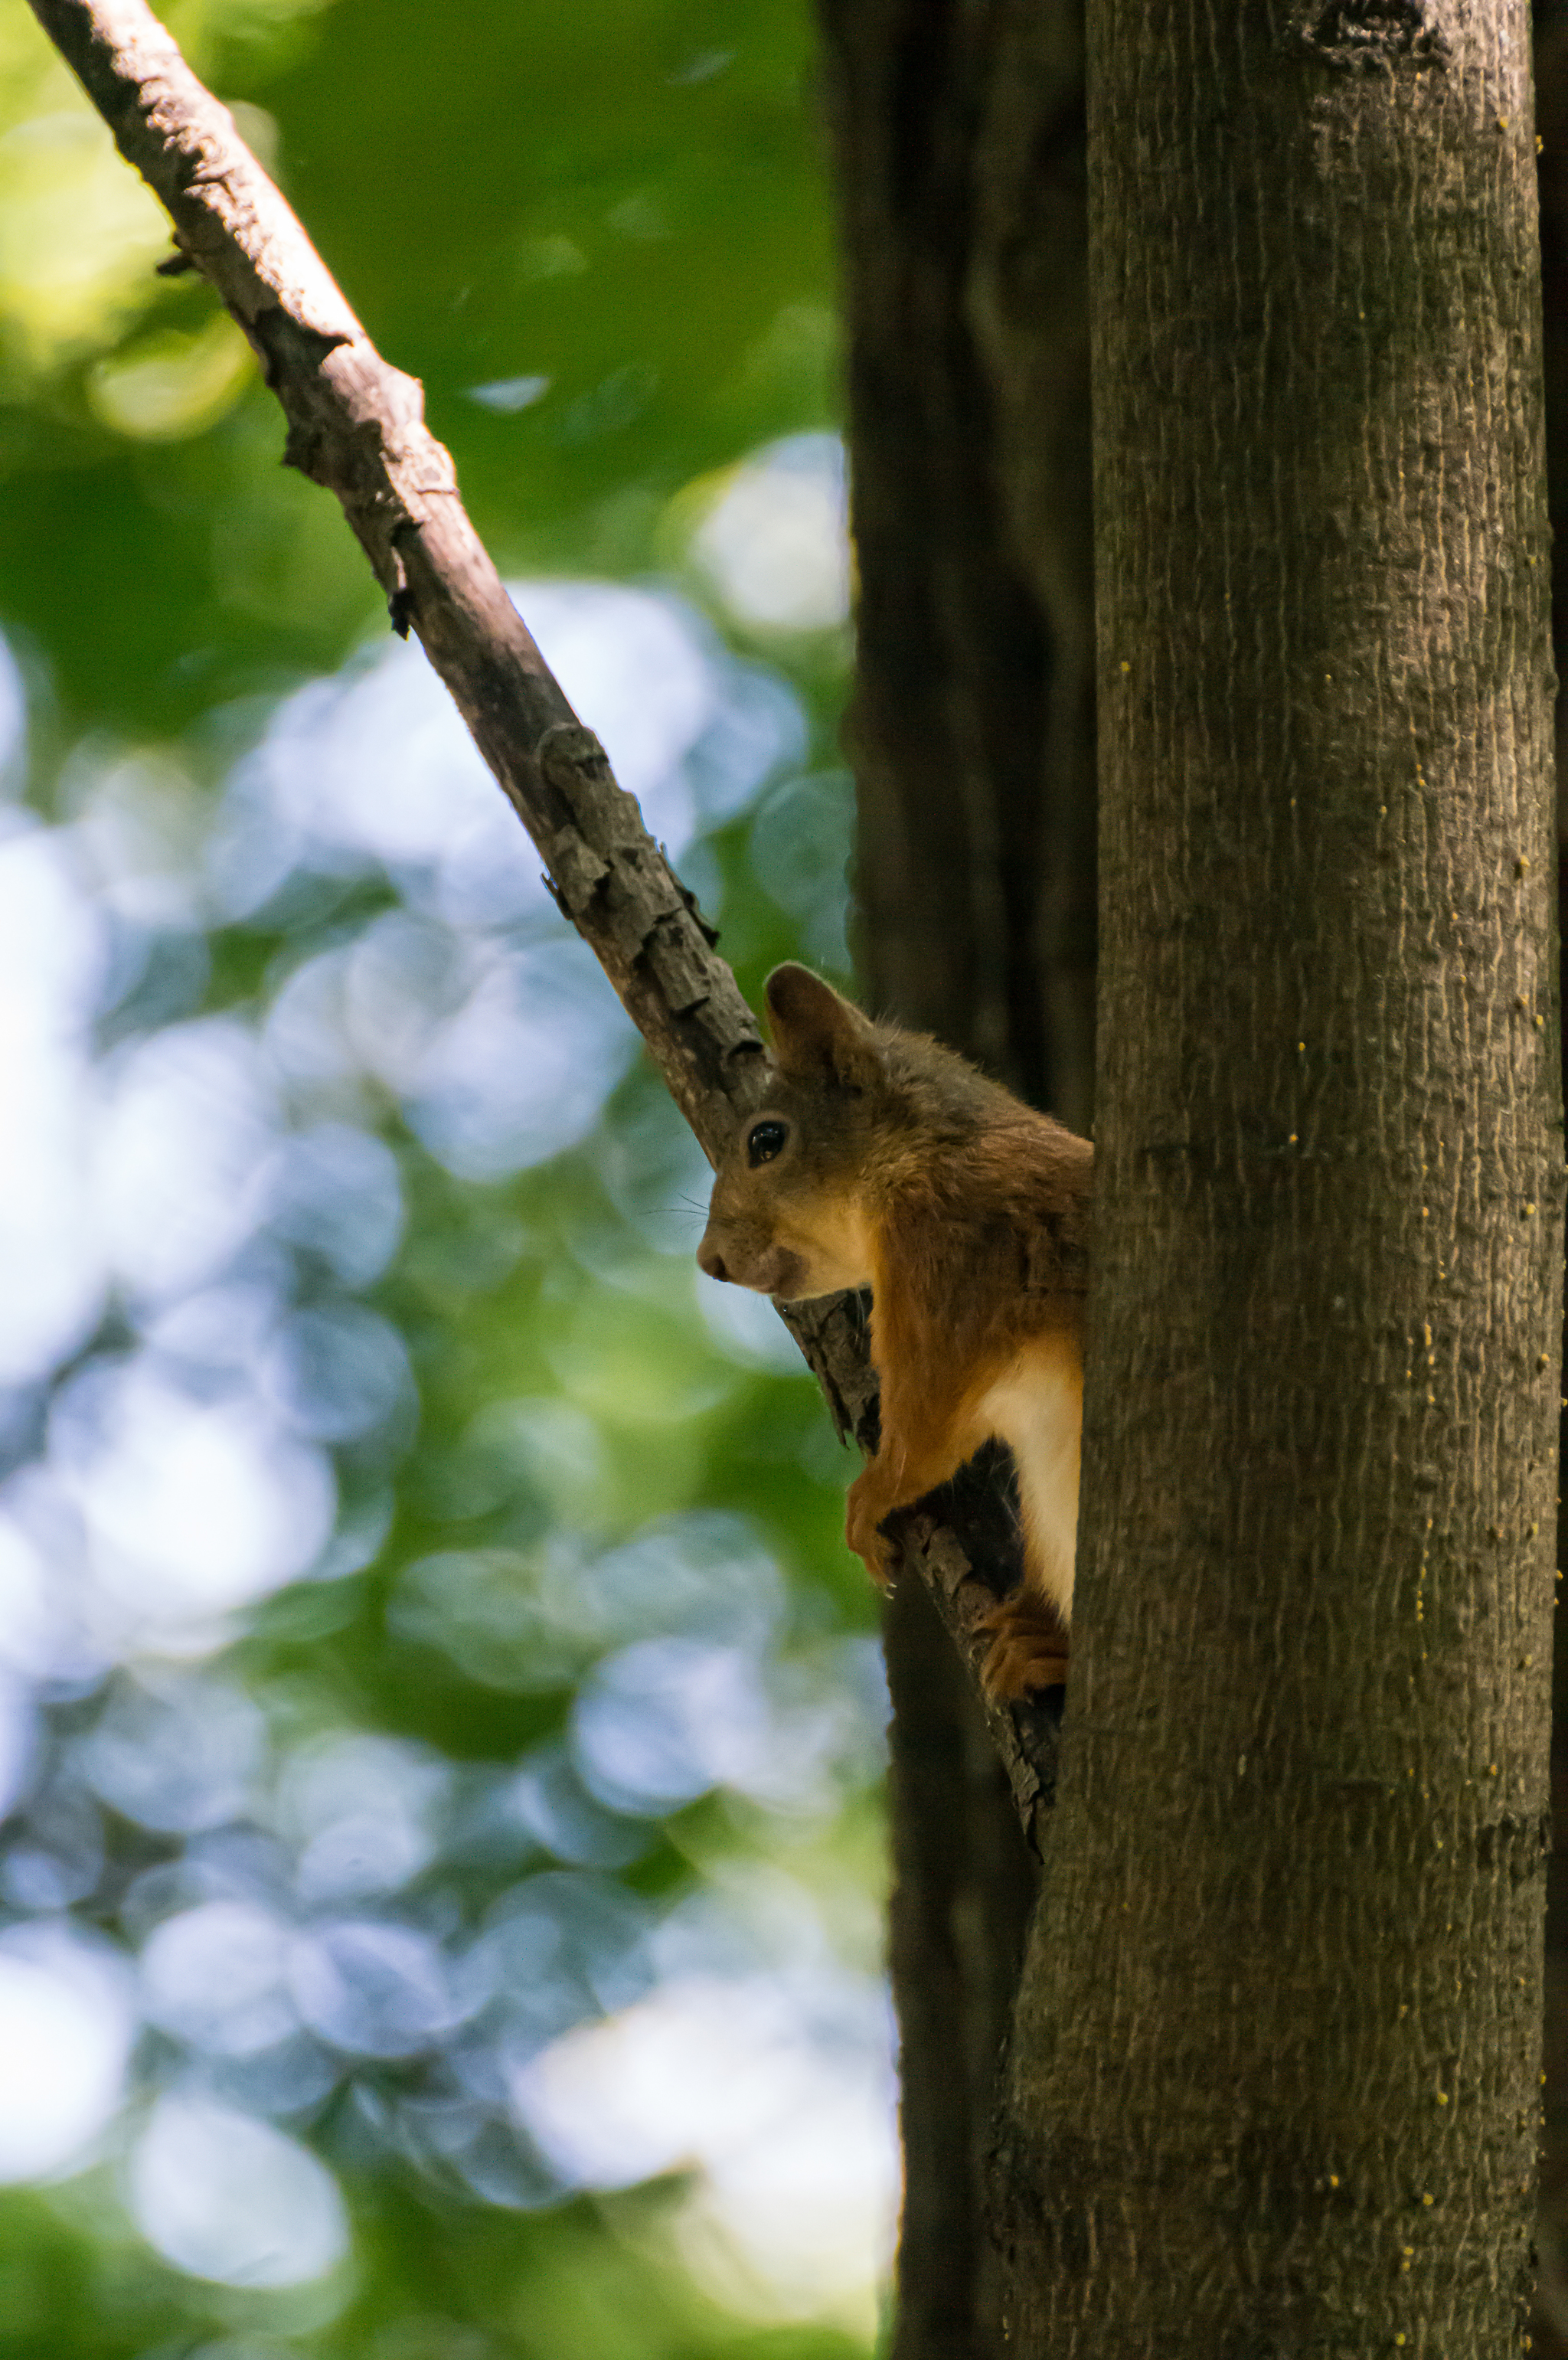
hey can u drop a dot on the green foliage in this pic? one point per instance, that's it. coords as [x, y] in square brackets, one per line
[598, 237]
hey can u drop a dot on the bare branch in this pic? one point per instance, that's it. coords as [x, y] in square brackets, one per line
[356, 427]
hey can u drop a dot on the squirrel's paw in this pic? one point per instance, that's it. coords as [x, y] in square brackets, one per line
[1029, 1649]
[862, 1520]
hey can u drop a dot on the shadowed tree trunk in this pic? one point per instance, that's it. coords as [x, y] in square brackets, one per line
[1273, 2083]
[958, 148]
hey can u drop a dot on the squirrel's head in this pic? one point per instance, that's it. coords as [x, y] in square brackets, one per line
[789, 1214]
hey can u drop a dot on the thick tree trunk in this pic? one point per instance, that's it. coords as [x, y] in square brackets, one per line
[1274, 2081]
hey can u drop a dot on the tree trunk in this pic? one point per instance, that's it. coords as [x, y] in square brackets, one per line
[973, 739]
[958, 145]
[962, 1886]
[1549, 2324]
[1273, 2086]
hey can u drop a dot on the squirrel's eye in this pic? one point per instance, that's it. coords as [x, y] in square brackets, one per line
[764, 1142]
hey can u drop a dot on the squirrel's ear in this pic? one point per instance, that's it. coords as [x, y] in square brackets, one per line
[816, 1033]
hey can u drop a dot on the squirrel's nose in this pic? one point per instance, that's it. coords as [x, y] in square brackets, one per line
[710, 1259]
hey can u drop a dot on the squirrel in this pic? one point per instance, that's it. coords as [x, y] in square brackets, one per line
[879, 1158]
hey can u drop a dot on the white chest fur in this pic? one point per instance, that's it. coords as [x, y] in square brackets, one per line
[1037, 1408]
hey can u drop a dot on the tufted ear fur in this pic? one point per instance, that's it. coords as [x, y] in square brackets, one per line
[818, 1035]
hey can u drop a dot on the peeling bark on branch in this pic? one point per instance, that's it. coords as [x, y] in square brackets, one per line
[356, 427]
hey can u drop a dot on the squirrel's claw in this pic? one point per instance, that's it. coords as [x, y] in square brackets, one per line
[1029, 1649]
[862, 1530]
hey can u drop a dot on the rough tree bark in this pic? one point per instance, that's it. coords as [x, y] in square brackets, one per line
[1273, 2085]
[1549, 2326]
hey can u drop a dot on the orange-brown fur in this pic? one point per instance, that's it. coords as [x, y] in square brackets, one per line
[966, 1213]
